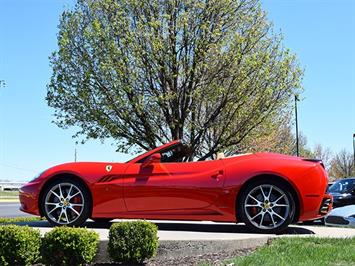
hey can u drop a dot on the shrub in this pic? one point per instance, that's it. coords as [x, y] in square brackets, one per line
[69, 246]
[19, 245]
[132, 242]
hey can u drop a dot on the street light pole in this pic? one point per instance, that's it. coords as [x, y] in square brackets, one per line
[354, 150]
[296, 117]
[75, 154]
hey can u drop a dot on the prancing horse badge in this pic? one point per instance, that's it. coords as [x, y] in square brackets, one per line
[108, 168]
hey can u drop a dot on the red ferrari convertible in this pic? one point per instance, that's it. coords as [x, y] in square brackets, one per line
[265, 191]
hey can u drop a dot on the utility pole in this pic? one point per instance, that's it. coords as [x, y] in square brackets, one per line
[354, 150]
[75, 154]
[296, 117]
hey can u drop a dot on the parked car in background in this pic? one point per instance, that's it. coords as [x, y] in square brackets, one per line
[343, 192]
[343, 216]
[330, 184]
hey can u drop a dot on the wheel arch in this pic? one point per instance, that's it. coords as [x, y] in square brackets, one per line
[276, 178]
[59, 176]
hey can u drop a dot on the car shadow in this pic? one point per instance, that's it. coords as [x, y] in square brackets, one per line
[189, 227]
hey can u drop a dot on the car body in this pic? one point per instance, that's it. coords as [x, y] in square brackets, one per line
[343, 192]
[256, 189]
[342, 216]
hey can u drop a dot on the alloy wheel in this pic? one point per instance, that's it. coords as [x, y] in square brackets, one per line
[267, 207]
[64, 203]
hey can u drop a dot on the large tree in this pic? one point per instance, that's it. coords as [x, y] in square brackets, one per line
[143, 72]
[342, 165]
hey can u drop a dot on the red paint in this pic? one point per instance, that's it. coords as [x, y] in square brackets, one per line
[204, 190]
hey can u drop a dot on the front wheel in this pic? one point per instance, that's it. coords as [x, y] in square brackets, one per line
[266, 207]
[66, 202]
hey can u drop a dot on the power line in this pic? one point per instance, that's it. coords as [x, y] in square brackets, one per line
[17, 168]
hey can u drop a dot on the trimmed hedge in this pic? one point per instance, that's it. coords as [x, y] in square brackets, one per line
[19, 245]
[132, 242]
[69, 246]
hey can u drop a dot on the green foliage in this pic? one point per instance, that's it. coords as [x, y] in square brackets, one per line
[4, 194]
[132, 242]
[19, 245]
[19, 219]
[144, 72]
[302, 251]
[69, 246]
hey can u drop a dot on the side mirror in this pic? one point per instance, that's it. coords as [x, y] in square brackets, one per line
[154, 158]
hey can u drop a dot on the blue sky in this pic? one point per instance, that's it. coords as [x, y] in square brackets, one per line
[321, 33]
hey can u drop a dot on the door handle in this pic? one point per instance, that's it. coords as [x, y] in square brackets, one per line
[218, 175]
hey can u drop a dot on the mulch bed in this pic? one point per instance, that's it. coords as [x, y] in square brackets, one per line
[210, 259]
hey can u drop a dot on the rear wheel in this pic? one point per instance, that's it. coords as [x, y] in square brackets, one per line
[266, 206]
[66, 202]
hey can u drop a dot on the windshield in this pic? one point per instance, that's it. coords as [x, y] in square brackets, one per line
[342, 186]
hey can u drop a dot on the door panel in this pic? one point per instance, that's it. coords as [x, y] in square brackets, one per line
[172, 186]
[108, 191]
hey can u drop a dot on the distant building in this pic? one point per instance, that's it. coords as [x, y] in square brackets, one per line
[11, 186]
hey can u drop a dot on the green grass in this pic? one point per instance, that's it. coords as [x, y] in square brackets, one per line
[7, 220]
[302, 251]
[9, 193]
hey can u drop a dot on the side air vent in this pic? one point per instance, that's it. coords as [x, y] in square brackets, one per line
[325, 206]
[107, 178]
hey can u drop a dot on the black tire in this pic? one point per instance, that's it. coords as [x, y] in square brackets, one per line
[74, 217]
[258, 214]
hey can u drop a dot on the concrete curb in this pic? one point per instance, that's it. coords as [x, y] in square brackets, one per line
[183, 248]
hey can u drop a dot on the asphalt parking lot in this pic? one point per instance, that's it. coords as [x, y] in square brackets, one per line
[11, 209]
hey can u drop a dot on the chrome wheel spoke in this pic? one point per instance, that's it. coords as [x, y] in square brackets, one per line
[267, 214]
[55, 194]
[262, 219]
[280, 205]
[60, 215]
[75, 211]
[269, 192]
[70, 189]
[76, 204]
[272, 219]
[262, 192]
[57, 203]
[77, 193]
[60, 192]
[256, 216]
[66, 215]
[53, 209]
[275, 201]
[250, 196]
[276, 214]
[252, 205]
